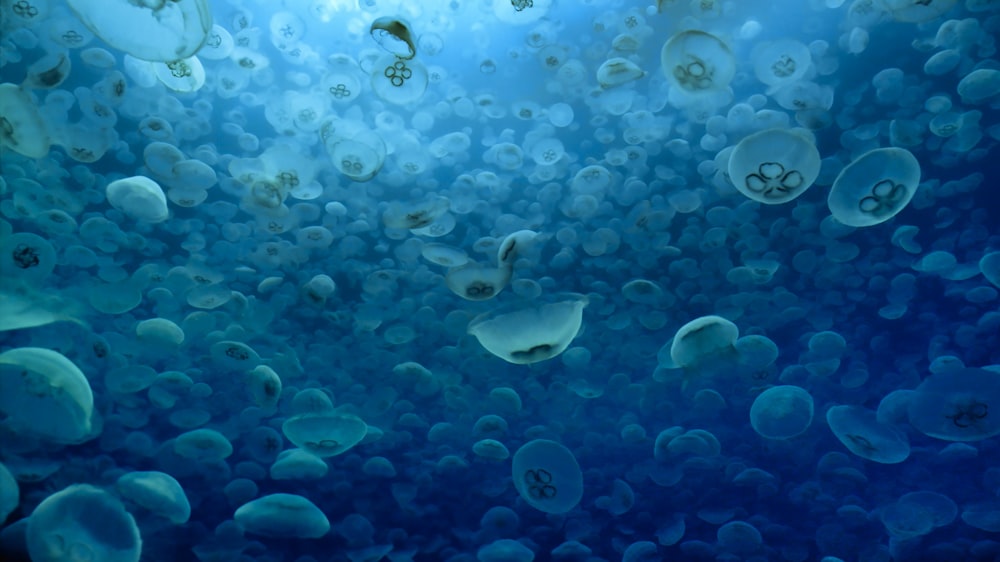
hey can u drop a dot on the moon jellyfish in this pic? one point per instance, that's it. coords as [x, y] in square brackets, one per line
[781, 412]
[21, 126]
[525, 334]
[860, 431]
[356, 151]
[918, 513]
[158, 492]
[477, 282]
[151, 31]
[26, 257]
[702, 338]
[394, 35]
[780, 62]
[774, 166]
[343, 80]
[325, 434]
[398, 81]
[617, 71]
[547, 476]
[138, 197]
[44, 393]
[916, 11]
[875, 187]
[83, 523]
[697, 62]
[182, 75]
[960, 406]
[283, 515]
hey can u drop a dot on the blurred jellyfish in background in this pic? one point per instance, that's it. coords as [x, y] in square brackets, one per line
[500, 280]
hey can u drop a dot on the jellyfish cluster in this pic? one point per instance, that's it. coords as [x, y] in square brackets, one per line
[499, 280]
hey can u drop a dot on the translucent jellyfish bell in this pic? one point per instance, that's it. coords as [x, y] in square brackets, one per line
[44, 393]
[394, 35]
[860, 431]
[182, 75]
[399, 81]
[703, 338]
[959, 406]
[355, 150]
[152, 31]
[415, 215]
[158, 492]
[780, 62]
[918, 11]
[774, 166]
[782, 412]
[283, 515]
[325, 434]
[524, 334]
[343, 80]
[617, 71]
[547, 476]
[84, 523]
[22, 128]
[698, 62]
[875, 187]
[140, 198]
[48, 72]
[477, 282]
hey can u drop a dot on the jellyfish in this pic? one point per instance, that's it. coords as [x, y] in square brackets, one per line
[476, 282]
[157, 31]
[525, 334]
[140, 198]
[157, 492]
[860, 431]
[782, 412]
[394, 35]
[22, 128]
[701, 339]
[698, 62]
[44, 393]
[356, 151]
[956, 406]
[26, 258]
[979, 86]
[297, 464]
[48, 72]
[283, 516]
[10, 494]
[780, 62]
[875, 187]
[183, 75]
[774, 166]
[547, 476]
[617, 71]
[203, 445]
[82, 522]
[919, 11]
[399, 81]
[324, 434]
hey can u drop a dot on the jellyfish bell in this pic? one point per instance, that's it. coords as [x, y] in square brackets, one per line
[704, 340]
[920, 11]
[476, 282]
[774, 166]
[181, 75]
[547, 476]
[957, 406]
[697, 62]
[525, 333]
[398, 81]
[781, 62]
[151, 31]
[394, 35]
[617, 71]
[22, 128]
[875, 187]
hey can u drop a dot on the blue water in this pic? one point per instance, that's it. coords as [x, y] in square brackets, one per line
[342, 280]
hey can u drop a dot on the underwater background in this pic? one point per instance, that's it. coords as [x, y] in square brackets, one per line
[363, 280]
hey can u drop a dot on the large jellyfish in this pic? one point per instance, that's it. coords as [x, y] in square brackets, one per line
[82, 523]
[875, 187]
[960, 406]
[774, 166]
[152, 31]
[524, 334]
[44, 393]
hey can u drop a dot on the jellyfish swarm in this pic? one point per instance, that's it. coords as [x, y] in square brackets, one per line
[524, 334]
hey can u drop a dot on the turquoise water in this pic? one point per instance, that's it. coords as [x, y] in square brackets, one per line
[499, 281]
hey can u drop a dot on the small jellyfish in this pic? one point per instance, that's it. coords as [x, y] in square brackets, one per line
[532, 333]
[860, 431]
[140, 198]
[158, 492]
[703, 338]
[394, 35]
[782, 412]
[875, 187]
[399, 81]
[547, 476]
[774, 166]
[780, 62]
[476, 282]
[617, 71]
[325, 434]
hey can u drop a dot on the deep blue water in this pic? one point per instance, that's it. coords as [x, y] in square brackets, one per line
[577, 281]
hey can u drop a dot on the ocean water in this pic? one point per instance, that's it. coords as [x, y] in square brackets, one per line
[499, 281]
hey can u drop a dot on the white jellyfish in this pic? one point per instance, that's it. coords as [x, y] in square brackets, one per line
[780, 62]
[182, 75]
[698, 62]
[781, 412]
[22, 128]
[296, 464]
[44, 393]
[203, 445]
[702, 339]
[919, 11]
[524, 334]
[140, 198]
[283, 516]
[356, 151]
[158, 492]
[152, 31]
[325, 434]
[218, 45]
[547, 476]
[774, 166]
[875, 187]
[617, 71]
[82, 522]
[399, 81]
